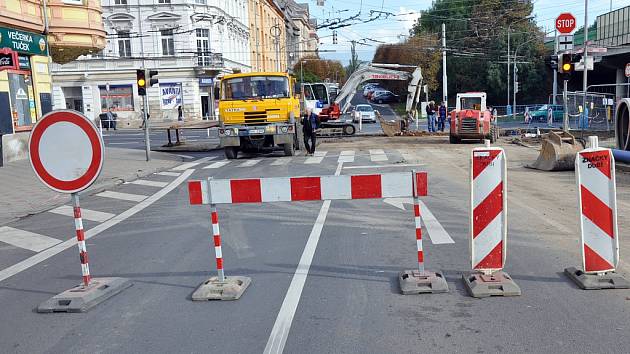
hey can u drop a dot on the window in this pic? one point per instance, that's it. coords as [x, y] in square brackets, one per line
[119, 98]
[203, 47]
[164, 1]
[168, 43]
[73, 2]
[201, 2]
[124, 44]
[120, 2]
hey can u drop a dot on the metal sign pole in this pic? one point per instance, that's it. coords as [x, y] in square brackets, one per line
[147, 143]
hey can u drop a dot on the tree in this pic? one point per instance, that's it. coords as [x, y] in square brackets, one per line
[354, 59]
[315, 69]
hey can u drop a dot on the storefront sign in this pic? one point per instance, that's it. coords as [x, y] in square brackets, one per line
[171, 95]
[8, 59]
[24, 62]
[205, 81]
[23, 42]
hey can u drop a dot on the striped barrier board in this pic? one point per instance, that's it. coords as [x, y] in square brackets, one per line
[599, 236]
[299, 189]
[488, 225]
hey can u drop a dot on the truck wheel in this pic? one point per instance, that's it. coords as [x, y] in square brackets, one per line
[453, 139]
[349, 129]
[231, 152]
[289, 149]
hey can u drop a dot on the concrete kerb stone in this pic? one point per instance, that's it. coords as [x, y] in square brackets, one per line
[496, 284]
[607, 280]
[413, 282]
[213, 289]
[82, 299]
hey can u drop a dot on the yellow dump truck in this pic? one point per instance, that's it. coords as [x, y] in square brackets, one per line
[258, 111]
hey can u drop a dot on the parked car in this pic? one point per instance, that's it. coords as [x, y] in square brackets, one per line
[540, 115]
[373, 89]
[386, 97]
[365, 112]
[376, 92]
[368, 87]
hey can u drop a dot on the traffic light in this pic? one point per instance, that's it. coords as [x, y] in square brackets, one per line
[334, 37]
[152, 80]
[565, 65]
[142, 82]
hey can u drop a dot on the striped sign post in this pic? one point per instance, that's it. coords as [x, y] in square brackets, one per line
[597, 200]
[488, 224]
[319, 188]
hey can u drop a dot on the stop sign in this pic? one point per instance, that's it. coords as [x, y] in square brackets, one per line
[565, 23]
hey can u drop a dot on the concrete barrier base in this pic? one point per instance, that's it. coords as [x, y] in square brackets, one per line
[496, 284]
[213, 289]
[82, 299]
[608, 280]
[415, 282]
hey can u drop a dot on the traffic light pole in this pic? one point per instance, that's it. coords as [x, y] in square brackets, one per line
[565, 124]
[585, 77]
[147, 143]
[555, 72]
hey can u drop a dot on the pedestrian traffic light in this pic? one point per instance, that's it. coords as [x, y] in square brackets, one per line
[142, 82]
[566, 64]
[152, 80]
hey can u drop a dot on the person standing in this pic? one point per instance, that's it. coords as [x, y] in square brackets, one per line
[310, 123]
[550, 116]
[528, 117]
[111, 122]
[431, 117]
[442, 120]
[180, 114]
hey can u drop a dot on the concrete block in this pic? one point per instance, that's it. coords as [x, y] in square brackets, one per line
[497, 284]
[213, 289]
[15, 146]
[608, 280]
[82, 299]
[414, 282]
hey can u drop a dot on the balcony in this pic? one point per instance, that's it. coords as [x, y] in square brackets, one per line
[209, 62]
[75, 29]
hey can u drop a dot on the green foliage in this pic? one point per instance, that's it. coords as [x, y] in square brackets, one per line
[315, 69]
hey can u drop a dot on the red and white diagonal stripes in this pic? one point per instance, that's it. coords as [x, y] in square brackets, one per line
[418, 222]
[488, 204]
[216, 236]
[597, 199]
[83, 255]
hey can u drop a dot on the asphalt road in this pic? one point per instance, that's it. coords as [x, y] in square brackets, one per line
[350, 302]
[134, 138]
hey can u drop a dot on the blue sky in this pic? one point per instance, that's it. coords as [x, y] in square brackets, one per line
[389, 30]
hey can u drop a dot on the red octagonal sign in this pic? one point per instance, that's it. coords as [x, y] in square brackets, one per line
[66, 151]
[565, 23]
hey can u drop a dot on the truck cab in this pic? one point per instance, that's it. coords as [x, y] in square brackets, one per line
[471, 119]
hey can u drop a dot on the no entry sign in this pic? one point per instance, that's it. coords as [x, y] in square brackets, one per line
[565, 23]
[66, 151]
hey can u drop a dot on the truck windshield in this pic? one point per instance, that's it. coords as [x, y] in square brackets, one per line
[255, 87]
[471, 103]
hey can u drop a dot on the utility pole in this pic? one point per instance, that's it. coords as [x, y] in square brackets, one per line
[515, 85]
[555, 72]
[565, 123]
[145, 100]
[276, 33]
[508, 72]
[444, 76]
[585, 77]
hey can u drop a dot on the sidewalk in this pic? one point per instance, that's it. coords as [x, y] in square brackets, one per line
[22, 194]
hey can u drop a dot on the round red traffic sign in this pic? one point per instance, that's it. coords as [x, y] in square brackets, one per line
[565, 23]
[66, 151]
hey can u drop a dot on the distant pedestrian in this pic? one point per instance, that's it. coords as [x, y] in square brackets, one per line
[431, 117]
[528, 117]
[442, 119]
[550, 116]
[310, 123]
[111, 119]
[494, 113]
[180, 114]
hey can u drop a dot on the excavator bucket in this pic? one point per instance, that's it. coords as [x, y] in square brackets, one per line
[558, 152]
[390, 128]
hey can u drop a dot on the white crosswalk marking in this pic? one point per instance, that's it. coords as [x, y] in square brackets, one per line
[281, 161]
[188, 165]
[249, 163]
[144, 182]
[217, 164]
[317, 158]
[346, 156]
[378, 155]
[25, 239]
[122, 196]
[170, 174]
[87, 214]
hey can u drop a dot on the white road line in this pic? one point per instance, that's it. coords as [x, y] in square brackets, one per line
[436, 232]
[346, 156]
[317, 158]
[87, 214]
[282, 326]
[378, 155]
[249, 163]
[383, 166]
[122, 196]
[44, 255]
[281, 161]
[186, 156]
[170, 174]
[25, 239]
[188, 165]
[144, 182]
[217, 164]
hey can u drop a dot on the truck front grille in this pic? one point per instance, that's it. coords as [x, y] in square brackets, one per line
[469, 126]
[255, 117]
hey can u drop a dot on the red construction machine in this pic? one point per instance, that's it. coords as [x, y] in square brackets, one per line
[471, 120]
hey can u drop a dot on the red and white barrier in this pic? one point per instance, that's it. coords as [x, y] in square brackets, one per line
[595, 174]
[488, 200]
[78, 225]
[418, 222]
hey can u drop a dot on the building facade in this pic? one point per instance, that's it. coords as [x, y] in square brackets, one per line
[302, 39]
[268, 39]
[29, 41]
[187, 41]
